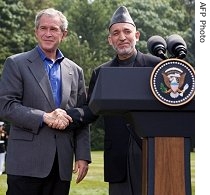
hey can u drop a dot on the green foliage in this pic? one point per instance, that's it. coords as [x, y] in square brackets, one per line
[88, 21]
[13, 36]
[79, 52]
[17, 26]
[163, 88]
[97, 135]
[164, 18]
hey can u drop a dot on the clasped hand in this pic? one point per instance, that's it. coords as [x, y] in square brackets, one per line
[57, 119]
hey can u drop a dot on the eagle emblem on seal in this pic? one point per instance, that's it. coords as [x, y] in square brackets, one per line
[174, 79]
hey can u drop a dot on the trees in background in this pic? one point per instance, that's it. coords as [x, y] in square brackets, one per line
[88, 21]
[13, 34]
[87, 43]
[17, 26]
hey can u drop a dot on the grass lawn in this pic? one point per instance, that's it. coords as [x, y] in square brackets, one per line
[93, 183]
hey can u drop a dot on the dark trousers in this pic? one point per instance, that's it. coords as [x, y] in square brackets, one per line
[50, 185]
[132, 184]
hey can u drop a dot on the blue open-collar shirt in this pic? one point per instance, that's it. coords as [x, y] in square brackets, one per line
[54, 72]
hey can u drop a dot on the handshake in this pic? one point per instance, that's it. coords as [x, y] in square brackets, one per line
[57, 119]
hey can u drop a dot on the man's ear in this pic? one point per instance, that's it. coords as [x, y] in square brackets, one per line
[65, 33]
[109, 40]
[137, 35]
[35, 32]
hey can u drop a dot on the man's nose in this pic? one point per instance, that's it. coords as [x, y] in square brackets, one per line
[122, 36]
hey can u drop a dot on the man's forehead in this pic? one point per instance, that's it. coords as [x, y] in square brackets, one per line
[120, 26]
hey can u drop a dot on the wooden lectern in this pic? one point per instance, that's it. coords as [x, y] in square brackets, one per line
[167, 131]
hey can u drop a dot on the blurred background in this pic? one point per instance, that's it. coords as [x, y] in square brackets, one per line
[86, 43]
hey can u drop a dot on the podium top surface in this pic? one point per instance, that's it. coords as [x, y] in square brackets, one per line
[128, 89]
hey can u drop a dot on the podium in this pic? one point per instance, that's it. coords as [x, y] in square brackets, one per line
[167, 132]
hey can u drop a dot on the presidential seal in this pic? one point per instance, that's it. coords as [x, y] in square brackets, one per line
[172, 82]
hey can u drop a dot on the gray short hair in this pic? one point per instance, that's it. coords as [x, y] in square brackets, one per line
[52, 12]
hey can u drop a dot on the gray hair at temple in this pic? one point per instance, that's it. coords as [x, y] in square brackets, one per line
[52, 12]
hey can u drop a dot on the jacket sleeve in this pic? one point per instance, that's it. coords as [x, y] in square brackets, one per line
[83, 115]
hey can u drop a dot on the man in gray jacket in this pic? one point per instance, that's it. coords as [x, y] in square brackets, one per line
[33, 84]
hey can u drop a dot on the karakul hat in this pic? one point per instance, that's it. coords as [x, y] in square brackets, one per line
[121, 15]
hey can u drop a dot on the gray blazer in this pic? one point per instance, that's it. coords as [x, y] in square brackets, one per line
[25, 94]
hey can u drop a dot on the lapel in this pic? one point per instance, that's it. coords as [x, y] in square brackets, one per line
[66, 77]
[139, 62]
[37, 68]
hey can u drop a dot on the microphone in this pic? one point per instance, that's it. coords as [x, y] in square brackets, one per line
[176, 46]
[157, 46]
